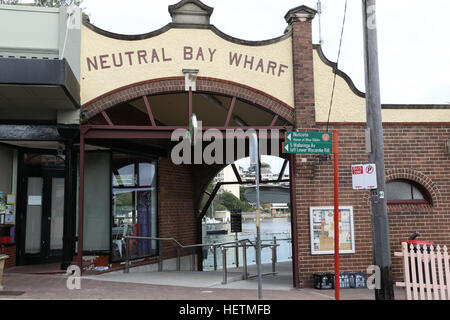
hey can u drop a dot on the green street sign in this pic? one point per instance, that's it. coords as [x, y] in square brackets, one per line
[308, 142]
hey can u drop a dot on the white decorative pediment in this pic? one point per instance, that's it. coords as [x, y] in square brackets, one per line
[190, 12]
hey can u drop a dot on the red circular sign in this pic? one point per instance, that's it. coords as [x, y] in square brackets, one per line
[326, 137]
[369, 169]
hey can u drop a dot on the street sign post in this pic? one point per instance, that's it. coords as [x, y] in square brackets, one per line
[321, 143]
[308, 142]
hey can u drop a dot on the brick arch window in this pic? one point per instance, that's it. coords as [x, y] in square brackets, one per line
[403, 191]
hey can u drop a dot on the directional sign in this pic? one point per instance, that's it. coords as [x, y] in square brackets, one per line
[308, 143]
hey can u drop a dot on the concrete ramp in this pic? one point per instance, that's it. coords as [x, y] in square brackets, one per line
[207, 279]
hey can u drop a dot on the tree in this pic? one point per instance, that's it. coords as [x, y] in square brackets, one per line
[265, 165]
[230, 201]
[9, 1]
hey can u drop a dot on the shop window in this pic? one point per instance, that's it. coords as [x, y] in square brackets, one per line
[406, 192]
[134, 206]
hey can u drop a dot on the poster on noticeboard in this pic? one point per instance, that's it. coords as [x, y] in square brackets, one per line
[322, 230]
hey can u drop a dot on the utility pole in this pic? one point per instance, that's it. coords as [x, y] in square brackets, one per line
[380, 223]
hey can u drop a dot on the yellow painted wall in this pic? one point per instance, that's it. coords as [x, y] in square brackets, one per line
[95, 83]
[349, 107]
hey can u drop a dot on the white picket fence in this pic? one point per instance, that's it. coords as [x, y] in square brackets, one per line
[426, 272]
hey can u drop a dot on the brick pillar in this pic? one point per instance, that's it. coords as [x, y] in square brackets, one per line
[299, 20]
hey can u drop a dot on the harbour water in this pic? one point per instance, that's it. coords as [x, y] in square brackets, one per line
[270, 228]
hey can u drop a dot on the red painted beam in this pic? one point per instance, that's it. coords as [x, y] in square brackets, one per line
[336, 214]
[149, 111]
[128, 134]
[294, 228]
[81, 204]
[190, 105]
[172, 128]
[230, 112]
[274, 120]
[108, 120]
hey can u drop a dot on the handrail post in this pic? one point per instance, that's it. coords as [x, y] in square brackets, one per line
[127, 256]
[215, 257]
[244, 257]
[274, 254]
[224, 264]
[178, 258]
[160, 262]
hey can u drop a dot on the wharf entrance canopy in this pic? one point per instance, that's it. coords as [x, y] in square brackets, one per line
[110, 61]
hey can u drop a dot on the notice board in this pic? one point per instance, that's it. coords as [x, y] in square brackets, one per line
[322, 230]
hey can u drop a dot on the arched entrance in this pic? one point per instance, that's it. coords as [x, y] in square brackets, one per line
[139, 121]
[231, 196]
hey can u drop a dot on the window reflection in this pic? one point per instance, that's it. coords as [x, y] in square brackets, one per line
[134, 206]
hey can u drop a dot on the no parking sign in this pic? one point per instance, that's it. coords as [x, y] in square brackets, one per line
[364, 176]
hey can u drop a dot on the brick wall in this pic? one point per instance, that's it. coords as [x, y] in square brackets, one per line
[176, 206]
[414, 152]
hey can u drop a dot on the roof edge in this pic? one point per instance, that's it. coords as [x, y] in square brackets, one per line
[339, 72]
[157, 32]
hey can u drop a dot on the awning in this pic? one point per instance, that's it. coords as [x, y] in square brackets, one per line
[38, 84]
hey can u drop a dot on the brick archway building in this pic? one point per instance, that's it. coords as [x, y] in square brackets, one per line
[135, 90]
[311, 182]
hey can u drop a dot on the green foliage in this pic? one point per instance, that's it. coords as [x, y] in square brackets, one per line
[265, 165]
[229, 200]
[9, 1]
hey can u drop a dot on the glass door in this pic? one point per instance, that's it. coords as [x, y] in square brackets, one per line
[57, 217]
[34, 217]
[44, 218]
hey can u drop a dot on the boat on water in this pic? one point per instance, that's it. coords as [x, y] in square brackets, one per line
[214, 226]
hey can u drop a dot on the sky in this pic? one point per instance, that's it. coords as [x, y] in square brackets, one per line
[414, 46]
[413, 41]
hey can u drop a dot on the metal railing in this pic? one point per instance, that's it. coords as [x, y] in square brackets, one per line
[224, 246]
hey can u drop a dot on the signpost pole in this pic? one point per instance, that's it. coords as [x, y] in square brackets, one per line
[254, 158]
[336, 214]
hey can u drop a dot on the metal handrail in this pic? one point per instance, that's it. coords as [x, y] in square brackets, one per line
[180, 247]
[243, 243]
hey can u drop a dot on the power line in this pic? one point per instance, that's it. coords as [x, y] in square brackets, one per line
[337, 64]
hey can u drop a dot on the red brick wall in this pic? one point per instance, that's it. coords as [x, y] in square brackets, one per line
[176, 206]
[304, 171]
[414, 152]
[11, 252]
